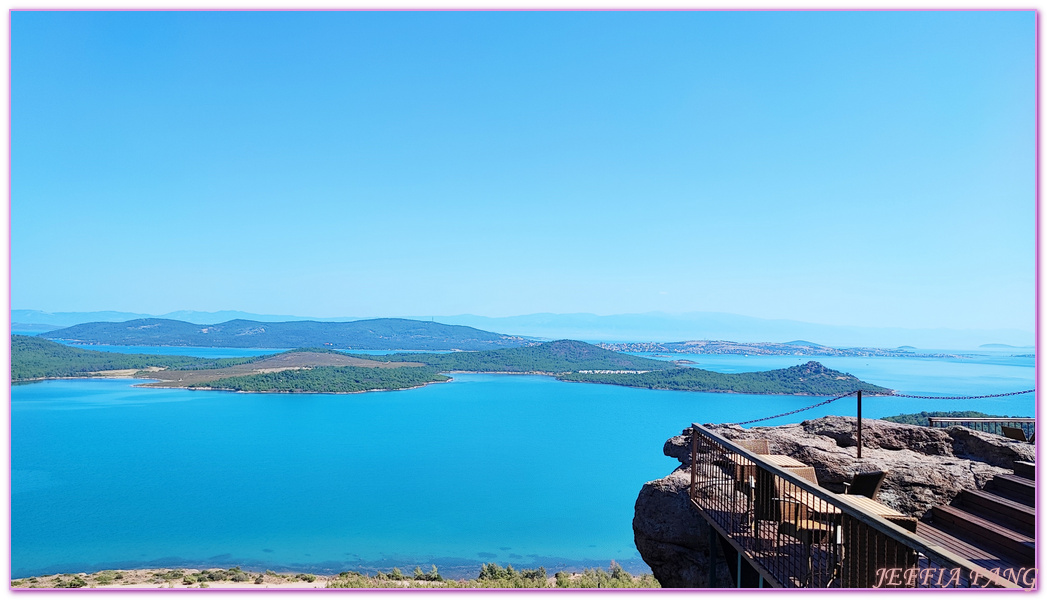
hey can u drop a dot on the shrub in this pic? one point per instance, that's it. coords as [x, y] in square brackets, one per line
[307, 577]
[259, 580]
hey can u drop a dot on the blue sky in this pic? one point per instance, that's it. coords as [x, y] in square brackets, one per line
[868, 169]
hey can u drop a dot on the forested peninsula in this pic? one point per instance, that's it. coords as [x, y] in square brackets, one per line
[320, 370]
[811, 378]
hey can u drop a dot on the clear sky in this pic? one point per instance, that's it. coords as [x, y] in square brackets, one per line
[870, 169]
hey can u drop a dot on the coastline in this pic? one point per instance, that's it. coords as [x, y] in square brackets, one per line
[145, 385]
[237, 579]
[211, 389]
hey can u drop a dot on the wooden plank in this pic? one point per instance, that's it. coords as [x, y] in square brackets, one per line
[998, 509]
[1006, 540]
[980, 556]
[1016, 488]
[1025, 469]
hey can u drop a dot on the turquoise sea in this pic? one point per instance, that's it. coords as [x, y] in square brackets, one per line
[515, 469]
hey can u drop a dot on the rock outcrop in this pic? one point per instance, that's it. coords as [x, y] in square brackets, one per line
[925, 467]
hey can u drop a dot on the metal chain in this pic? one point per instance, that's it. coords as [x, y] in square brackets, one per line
[793, 412]
[896, 395]
[962, 397]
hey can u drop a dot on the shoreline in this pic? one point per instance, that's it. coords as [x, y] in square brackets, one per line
[145, 385]
[235, 578]
[211, 389]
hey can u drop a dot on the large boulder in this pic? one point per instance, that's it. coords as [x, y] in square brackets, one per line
[671, 536]
[925, 467]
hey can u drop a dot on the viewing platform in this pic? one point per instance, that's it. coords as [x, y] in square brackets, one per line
[777, 527]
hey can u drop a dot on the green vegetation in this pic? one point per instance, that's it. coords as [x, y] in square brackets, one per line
[329, 379]
[36, 358]
[493, 576]
[598, 578]
[562, 356]
[920, 418]
[811, 378]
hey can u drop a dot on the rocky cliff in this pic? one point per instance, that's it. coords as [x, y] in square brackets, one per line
[925, 467]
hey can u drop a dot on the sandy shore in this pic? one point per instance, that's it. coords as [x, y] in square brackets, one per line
[149, 579]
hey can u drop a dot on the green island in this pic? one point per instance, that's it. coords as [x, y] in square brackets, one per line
[553, 358]
[328, 379]
[320, 370]
[811, 378]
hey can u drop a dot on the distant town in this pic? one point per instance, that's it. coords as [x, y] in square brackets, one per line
[797, 348]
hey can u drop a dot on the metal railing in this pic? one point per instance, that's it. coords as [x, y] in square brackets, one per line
[793, 533]
[987, 424]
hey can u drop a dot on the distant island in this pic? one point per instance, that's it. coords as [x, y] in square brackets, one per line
[811, 378]
[369, 334]
[795, 348]
[321, 370]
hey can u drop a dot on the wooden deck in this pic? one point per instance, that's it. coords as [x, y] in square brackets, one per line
[780, 527]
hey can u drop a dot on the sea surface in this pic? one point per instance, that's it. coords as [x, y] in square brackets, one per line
[508, 468]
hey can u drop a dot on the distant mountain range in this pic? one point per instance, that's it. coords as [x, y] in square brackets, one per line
[662, 327]
[645, 327]
[371, 334]
[38, 318]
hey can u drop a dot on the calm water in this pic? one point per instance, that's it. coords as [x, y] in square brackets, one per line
[520, 469]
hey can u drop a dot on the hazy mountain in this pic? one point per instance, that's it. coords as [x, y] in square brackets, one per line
[653, 327]
[372, 334]
[662, 327]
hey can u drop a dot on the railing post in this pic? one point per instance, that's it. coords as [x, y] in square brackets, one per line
[712, 556]
[694, 463]
[859, 423]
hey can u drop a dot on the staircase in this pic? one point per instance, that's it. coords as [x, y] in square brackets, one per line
[994, 528]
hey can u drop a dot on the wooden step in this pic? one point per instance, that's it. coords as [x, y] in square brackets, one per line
[1014, 487]
[979, 554]
[1025, 469]
[1010, 514]
[950, 518]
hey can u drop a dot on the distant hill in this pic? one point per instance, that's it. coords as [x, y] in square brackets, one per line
[799, 348]
[551, 357]
[68, 319]
[371, 334]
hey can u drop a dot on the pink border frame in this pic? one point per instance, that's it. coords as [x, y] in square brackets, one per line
[1037, 317]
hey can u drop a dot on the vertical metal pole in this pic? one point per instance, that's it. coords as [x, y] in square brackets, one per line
[739, 586]
[859, 423]
[712, 557]
[694, 463]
